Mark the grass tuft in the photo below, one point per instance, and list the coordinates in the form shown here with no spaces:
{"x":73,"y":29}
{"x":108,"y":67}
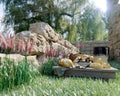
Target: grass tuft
{"x":70,"y":86}
{"x":46,"y":69}
{"x":12,"y":74}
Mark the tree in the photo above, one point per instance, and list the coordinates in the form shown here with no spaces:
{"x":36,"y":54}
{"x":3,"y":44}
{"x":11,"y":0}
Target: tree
{"x":91,"y":24}
{"x":76,"y":18}
{"x":21,"y":13}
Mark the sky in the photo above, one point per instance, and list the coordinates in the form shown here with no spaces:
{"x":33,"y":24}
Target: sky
{"x":1,"y":11}
{"x":1,"y":16}
{"x":101,"y":4}
{"x":98,"y":3}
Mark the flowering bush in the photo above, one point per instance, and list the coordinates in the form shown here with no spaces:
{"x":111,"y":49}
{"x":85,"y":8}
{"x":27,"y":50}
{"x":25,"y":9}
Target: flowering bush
{"x":55,"y":53}
{"x":51,"y":53}
{"x":10,"y":45}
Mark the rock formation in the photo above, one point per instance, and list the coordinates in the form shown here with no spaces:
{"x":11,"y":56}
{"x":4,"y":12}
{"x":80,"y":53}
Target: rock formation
{"x":113,"y":14}
{"x":17,"y":58}
{"x":45,"y":38}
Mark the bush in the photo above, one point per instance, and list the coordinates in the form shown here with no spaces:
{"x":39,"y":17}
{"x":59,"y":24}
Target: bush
{"x":115,"y":64}
{"x":12,"y":74}
{"x":46,"y":68}
{"x":11,"y":45}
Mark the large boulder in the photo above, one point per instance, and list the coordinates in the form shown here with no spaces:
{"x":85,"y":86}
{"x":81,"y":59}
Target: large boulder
{"x":45,"y":38}
{"x":62,"y":49}
{"x":45,"y":30}
{"x":17,"y":58}
{"x":40,"y":45}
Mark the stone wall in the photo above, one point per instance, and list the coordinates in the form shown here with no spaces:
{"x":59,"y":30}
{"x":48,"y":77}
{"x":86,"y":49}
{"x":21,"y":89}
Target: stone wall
{"x":113,"y":13}
{"x":88,"y":46}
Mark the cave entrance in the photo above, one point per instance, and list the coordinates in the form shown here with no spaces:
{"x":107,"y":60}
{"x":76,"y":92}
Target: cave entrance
{"x":101,"y":51}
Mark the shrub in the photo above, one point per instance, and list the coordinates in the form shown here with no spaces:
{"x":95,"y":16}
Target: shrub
{"x":115,"y":64}
{"x":12,"y":74}
{"x":11,"y":45}
{"x":46,"y":68}
{"x":51,"y":53}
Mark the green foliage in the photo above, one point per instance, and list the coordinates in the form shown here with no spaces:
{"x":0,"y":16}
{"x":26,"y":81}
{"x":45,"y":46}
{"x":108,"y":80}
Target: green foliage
{"x":72,"y":86}
{"x":72,"y":33}
{"x":91,"y":24}
{"x":22,"y":13}
{"x":12,"y":74}
{"x":46,"y":69}
{"x":115,"y":64}
{"x":79,"y":19}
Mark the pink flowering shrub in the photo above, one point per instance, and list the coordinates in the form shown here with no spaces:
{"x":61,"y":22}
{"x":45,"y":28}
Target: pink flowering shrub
{"x":51,"y":53}
{"x":10,"y":45}
{"x":55,"y":53}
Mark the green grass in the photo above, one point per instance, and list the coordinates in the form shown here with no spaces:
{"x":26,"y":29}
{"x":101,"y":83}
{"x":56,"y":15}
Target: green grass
{"x":12,"y":74}
{"x":46,"y":68}
{"x":52,"y":86}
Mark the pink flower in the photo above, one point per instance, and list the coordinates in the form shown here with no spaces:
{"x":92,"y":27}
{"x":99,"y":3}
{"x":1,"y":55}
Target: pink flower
{"x":3,"y":42}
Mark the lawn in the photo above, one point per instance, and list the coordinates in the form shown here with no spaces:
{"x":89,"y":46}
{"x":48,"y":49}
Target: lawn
{"x":53,"y":86}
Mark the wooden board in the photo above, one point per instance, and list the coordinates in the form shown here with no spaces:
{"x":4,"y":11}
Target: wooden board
{"x":86,"y":72}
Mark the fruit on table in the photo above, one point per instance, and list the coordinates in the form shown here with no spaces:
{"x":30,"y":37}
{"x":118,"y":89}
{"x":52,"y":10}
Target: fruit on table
{"x":65,"y":62}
